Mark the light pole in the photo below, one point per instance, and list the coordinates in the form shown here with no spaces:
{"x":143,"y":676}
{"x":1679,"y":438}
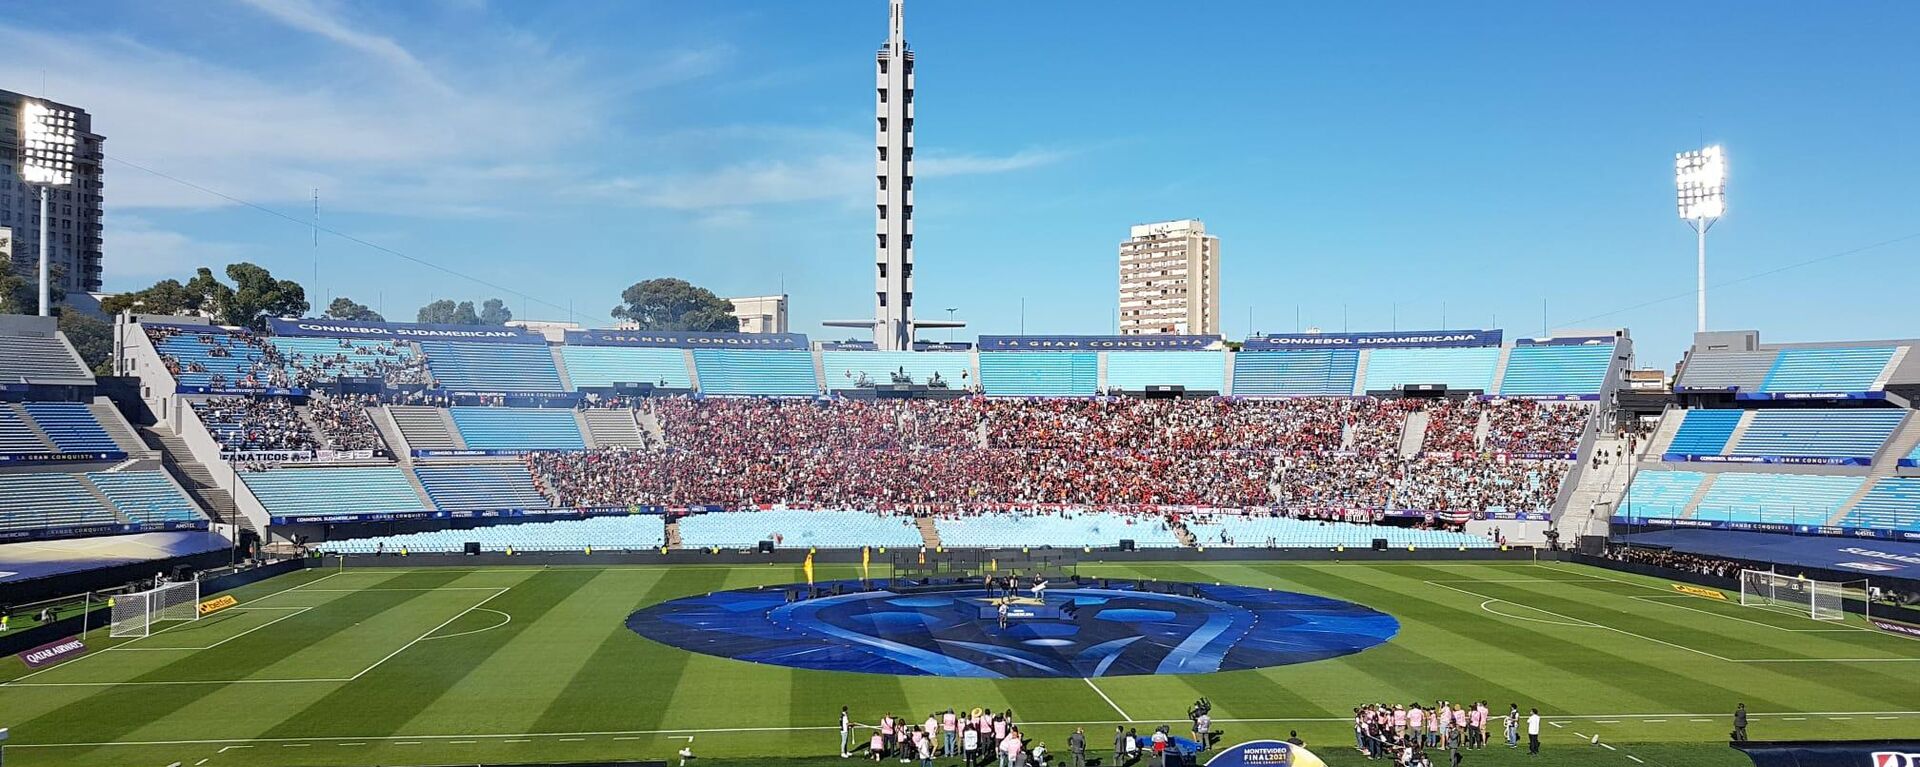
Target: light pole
{"x":47,"y":139}
{"x":1700,"y":191}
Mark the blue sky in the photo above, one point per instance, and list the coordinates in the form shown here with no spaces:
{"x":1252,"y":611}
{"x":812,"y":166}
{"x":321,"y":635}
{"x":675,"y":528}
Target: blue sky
{"x":1477,"y":159}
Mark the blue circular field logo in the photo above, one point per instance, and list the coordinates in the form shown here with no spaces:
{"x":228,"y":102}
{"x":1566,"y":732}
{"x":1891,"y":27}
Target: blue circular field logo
{"x":1082,"y":631}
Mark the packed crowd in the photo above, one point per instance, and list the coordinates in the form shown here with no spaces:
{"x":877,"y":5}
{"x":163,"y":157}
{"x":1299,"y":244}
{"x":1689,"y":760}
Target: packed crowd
{"x":1408,"y":733}
{"x":249,"y":424}
{"x":261,"y":364}
{"x":1533,"y":428}
{"x":981,"y":454}
{"x":1679,"y":560}
{"x":343,"y":421}
{"x":982,"y":736}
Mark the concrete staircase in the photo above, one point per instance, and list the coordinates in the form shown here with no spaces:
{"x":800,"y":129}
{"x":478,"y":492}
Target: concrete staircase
{"x":196,"y":479}
{"x":1590,"y":508}
{"x":610,"y":428}
{"x":673,"y":534}
{"x":928,"y":532}
{"x":650,"y":425}
{"x":1885,"y":464}
{"x":427,"y":428}
{"x":1661,"y":439}
{"x":118,"y":428}
{"x":1414,"y":433}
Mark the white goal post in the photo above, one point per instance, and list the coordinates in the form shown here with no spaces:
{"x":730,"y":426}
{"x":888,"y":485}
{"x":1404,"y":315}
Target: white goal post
{"x":1819,"y":600}
{"x":134,"y":615}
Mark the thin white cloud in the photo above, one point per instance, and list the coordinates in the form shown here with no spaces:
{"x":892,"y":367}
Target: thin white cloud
{"x":306,"y":17}
{"x":143,"y":252}
{"x":842,"y":176}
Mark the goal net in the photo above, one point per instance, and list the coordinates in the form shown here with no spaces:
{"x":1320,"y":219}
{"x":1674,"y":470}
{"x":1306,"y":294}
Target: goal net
{"x":1819,"y":600}
{"x":134,"y":615}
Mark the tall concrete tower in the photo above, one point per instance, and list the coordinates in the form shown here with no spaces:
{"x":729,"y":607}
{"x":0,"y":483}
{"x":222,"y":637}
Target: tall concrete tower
{"x":893,"y":172}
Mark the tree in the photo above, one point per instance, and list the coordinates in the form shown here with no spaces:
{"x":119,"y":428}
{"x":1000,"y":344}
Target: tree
{"x":254,"y":297}
{"x":344,"y":308}
{"x":495,"y":312}
{"x":446,"y":312}
{"x":667,"y":303}
{"x":164,"y":297}
{"x":92,"y":338}
{"x":20,"y":293}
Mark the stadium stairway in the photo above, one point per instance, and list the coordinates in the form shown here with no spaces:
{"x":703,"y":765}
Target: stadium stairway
{"x":610,"y":428}
{"x":929,"y":532}
{"x":389,"y":431}
{"x":34,"y":434}
{"x":104,"y":501}
{"x":1699,"y":494}
{"x":192,"y":477}
{"x":1414,"y":433}
{"x":1481,"y":428}
{"x":1662,"y":438}
{"x":1739,"y":431}
{"x":426,"y":428}
{"x":650,"y":423}
{"x":1885,"y":464}
{"x":118,"y":428}
{"x":1590,"y":507}
{"x":673,"y":534}
{"x":1500,"y":370}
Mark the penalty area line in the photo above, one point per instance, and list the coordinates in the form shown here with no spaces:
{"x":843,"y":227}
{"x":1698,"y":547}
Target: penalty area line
{"x":1103,"y":696}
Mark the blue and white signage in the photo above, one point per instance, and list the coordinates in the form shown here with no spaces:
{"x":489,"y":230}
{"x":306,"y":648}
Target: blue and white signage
{"x":1096,"y":343}
{"x":1388,"y":340}
{"x":686,"y":340}
{"x":403,"y":331}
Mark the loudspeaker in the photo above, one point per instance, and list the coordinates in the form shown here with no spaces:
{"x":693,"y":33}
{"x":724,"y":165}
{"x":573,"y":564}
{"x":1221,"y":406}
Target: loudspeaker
{"x":473,"y":548}
{"x":1126,"y":544}
{"x":1379,"y":544}
{"x":766,"y":547}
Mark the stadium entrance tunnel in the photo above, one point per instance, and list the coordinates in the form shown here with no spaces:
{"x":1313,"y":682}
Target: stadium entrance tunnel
{"x":1086,"y":630}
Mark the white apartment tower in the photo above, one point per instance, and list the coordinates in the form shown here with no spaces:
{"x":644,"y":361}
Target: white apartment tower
{"x":1170,"y":280}
{"x":893,"y":172}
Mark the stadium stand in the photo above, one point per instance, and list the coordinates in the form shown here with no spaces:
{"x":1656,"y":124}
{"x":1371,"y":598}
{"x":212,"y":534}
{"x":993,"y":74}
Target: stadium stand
{"x":502,"y":428}
{"x":844,"y":369}
{"x":243,"y":424}
{"x":759,"y":373}
{"x":1827,"y":369}
{"x":604,"y":366}
{"x":1040,"y":374}
{"x":1469,"y":368}
{"x":1705,"y":432}
{"x":205,"y":355}
{"x":145,"y":497}
{"x":31,"y":501}
{"x":636,"y":532}
{"x":1557,"y":369}
{"x":1818,"y":433}
{"x":1071,"y":528}
{"x":1726,"y":370}
{"x":314,"y":359}
{"x":17,"y":436}
{"x":72,"y":427}
{"x":1134,"y":371}
{"x":1660,"y":494}
{"x":613,"y":427}
{"x":1892,"y":503}
{"x":305,"y":492}
{"x":425,"y":428}
{"x":798,"y":528}
{"x":1295,"y":373}
{"x":1804,"y":499}
{"x":491,"y":486}
{"x":1265,"y":530}
{"x":488,"y":367}
{"x":38,"y":357}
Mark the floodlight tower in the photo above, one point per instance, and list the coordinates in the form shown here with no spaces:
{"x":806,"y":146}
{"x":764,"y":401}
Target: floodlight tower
{"x":1700,"y":190}
{"x":47,"y":140}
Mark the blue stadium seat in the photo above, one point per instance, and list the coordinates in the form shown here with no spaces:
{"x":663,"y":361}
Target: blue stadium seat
{"x":1819,"y":433}
{"x":188,"y":349}
{"x":1040,"y":374}
{"x":145,"y":497}
{"x":491,"y":486}
{"x":1705,"y":432}
{"x":509,"y":428}
{"x":301,"y":492}
{"x":1074,"y":528}
{"x":1196,"y":370}
{"x":1561,"y":369}
{"x":756,"y":372}
{"x":1827,"y":370}
{"x":843,"y":368}
{"x":16,"y":436}
{"x":1458,"y":368}
{"x":1892,"y":503}
{"x":1254,"y":530}
{"x":638,"y":532}
{"x":799,"y":529}
{"x":485,"y":367}
{"x":1662,"y":494}
{"x":34,"y":501}
{"x":1295,"y":373}
{"x":1786,"y":499}
{"x":604,"y":366}
{"x":71,"y":426}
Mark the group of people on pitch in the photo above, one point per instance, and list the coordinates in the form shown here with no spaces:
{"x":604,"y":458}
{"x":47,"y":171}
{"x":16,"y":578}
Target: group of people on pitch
{"x":979,"y":736}
{"x":1405,"y":733}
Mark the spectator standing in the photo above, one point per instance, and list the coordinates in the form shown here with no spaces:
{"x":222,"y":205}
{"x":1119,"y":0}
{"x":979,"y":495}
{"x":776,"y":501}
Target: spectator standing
{"x":1533,"y":732}
{"x":1077,"y":748}
{"x":846,"y":734}
{"x":1740,"y":722}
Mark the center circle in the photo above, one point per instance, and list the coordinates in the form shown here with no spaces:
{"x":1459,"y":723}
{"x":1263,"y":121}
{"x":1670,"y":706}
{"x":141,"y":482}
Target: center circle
{"x":1113,"y":629}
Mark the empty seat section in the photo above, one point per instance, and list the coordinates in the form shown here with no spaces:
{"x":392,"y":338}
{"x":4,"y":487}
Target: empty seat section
{"x":1827,"y":370}
{"x":611,"y":427}
{"x":71,"y":426}
{"x":326,"y":359}
{"x":1705,"y":432}
{"x":38,"y":357}
{"x":145,"y":497}
{"x":1819,"y":433}
{"x":762,"y":373}
{"x":16,"y":436}
{"x":507,"y":428}
{"x":799,"y":529}
{"x":1295,"y":373}
{"x":484,"y":367}
{"x":843,"y":369}
{"x":1893,"y":503}
{"x":425,"y":428}
{"x":1787,"y":499}
{"x":636,"y":532}
{"x":1060,"y":529}
{"x":604,"y":366}
{"x":1562,"y":369}
{"x":496,"y":486}
{"x":333,"y":490}
{"x":1662,"y":494}
{"x":1458,"y":368}
{"x":34,"y":501}
{"x":1196,"y":371}
{"x":1742,"y":371}
{"x":1258,"y":530}
{"x":1040,"y":374}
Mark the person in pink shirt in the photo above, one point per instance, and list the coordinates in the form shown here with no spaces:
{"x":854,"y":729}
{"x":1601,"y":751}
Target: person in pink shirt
{"x":1415,"y":718}
{"x":1399,"y":721}
{"x":876,"y":746}
{"x":1459,"y":725}
{"x":949,"y":725}
{"x":1010,"y":747}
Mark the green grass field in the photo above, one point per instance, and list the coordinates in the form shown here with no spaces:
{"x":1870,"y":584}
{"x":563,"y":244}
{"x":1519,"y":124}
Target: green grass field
{"x":443,"y":666}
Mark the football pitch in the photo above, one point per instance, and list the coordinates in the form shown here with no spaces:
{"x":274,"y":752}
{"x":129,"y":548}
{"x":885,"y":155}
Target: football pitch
{"x":436,"y":665}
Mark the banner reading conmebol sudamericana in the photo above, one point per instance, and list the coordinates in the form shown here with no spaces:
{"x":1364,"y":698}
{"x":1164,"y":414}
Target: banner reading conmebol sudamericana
{"x":1386,"y":340}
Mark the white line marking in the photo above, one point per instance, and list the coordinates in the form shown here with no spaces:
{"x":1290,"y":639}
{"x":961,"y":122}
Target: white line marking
{"x":460,"y":742}
{"x":627,"y":737}
{"x":1556,"y":724}
{"x":1103,"y":696}
{"x":1608,"y":746}
{"x":1699,"y":720}
{"x":1653,"y":721}
{"x":221,"y":751}
{"x":416,"y":640}
{"x":1662,"y":600}
{"x":296,"y":745}
{"x":296,"y":611}
{"x":509,"y":619}
{"x":570,"y":740}
{"x":1794,"y":719}
{"x":1485,"y":606}
{"x":523,"y":740}
{"x":1636,"y":760}
{"x":201,"y":762}
{"x":1886,"y":717}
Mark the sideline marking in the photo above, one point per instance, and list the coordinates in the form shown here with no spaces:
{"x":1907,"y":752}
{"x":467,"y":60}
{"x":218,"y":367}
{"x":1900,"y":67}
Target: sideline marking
{"x":1103,"y":696}
{"x":296,"y":611}
{"x":417,"y":640}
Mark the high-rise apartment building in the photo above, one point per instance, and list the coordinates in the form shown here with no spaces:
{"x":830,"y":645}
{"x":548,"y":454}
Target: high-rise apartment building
{"x":1170,"y":280}
{"x":73,"y":211}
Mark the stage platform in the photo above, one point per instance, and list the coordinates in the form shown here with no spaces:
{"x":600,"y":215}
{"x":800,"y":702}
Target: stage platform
{"x":39,"y":559}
